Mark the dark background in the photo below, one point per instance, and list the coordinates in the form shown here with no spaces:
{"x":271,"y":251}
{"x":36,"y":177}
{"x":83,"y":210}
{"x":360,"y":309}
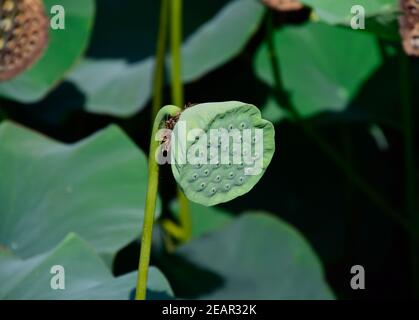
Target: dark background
{"x":302,"y":186}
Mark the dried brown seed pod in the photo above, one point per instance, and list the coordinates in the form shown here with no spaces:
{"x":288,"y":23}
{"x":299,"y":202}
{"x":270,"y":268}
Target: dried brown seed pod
{"x":409,"y":26}
{"x":411,"y":41}
{"x":23,"y":35}
{"x":410,"y":7}
{"x":410,"y":13}
{"x":284,"y":5}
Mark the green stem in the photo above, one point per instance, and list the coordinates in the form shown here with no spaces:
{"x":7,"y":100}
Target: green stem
{"x":409,"y":163}
{"x":184,"y":216}
{"x":150,"y":206}
{"x":339,"y":161}
{"x":176,"y":44}
{"x":158,"y":80}
{"x":178,"y":99}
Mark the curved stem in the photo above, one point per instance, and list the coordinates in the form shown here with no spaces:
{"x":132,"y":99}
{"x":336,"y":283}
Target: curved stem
{"x":173,"y":229}
{"x":150,"y":206}
{"x":178,"y":99}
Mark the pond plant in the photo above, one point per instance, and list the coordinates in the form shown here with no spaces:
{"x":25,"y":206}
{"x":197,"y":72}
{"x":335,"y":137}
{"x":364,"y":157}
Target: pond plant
{"x":296,"y":110}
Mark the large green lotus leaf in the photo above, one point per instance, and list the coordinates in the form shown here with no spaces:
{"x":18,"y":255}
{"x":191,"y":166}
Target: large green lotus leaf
{"x":333,"y":11}
{"x":64,"y":48}
{"x":322,"y":67}
{"x":124,"y":88}
{"x":95,"y":187}
{"x":257,"y":256}
{"x":86,"y":276}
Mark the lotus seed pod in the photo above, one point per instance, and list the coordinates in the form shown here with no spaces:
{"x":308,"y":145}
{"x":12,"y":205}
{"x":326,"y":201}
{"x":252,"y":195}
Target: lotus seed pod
{"x":23,"y":35}
{"x":220,"y":150}
{"x":409,"y":26}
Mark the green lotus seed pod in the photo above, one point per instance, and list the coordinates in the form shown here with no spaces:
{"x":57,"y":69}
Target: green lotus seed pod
{"x":219,"y":151}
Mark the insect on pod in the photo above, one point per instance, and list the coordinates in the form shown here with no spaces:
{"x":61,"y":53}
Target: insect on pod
{"x":409,"y":26}
{"x":23,"y":35}
{"x":220,"y":150}
{"x":284,"y":5}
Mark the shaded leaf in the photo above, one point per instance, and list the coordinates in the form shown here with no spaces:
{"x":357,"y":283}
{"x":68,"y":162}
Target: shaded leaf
{"x":221,"y":38}
{"x":255,"y":257}
{"x":121,"y":90}
{"x":85,"y":275}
